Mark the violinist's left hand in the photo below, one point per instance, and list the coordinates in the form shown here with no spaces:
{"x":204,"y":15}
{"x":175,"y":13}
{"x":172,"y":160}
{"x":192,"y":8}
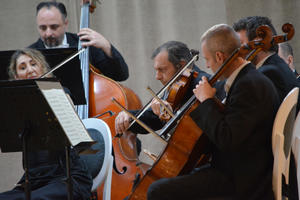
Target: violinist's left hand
{"x":204,"y":90}
{"x":95,"y":39}
{"x":157,"y":108}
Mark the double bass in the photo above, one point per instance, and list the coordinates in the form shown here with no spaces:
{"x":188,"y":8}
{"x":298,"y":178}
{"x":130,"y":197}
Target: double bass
{"x":98,"y":91}
{"x":184,"y":151}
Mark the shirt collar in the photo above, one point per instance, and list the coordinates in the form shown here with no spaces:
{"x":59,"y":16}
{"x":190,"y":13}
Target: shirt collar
{"x":232,"y":77}
{"x":64,"y":44}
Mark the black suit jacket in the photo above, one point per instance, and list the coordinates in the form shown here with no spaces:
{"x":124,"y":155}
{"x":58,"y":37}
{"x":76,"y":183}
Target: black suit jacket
{"x":296,"y":73}
{"x":280,"y":74}
{"x":115,"y":67}
{"x":241,"y":134}
{"x":284,"y":80}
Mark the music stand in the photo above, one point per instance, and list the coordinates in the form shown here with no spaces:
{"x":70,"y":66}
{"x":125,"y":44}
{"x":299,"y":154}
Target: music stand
{"x":69,"y":74}
{"x":30,"y":122}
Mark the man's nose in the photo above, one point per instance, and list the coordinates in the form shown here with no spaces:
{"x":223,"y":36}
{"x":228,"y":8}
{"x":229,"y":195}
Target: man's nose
{"x":158,"y":76}
{"x":48,"y":32}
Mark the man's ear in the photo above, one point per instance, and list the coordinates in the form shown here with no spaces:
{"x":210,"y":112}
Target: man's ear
{"x":182,"y":63}
{"x":66,"y":24}
{"x":219,"y":56}
{"x":290,"y":59}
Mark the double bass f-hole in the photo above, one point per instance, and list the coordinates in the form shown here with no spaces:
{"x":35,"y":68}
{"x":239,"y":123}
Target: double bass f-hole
{"x":109,"y":112}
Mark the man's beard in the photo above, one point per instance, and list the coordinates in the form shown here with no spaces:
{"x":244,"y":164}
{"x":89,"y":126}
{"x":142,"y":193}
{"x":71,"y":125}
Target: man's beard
{"x":52,"y":41}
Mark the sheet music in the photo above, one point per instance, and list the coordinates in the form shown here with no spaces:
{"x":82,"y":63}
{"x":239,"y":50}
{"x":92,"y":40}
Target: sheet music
{"x":64,"y":112}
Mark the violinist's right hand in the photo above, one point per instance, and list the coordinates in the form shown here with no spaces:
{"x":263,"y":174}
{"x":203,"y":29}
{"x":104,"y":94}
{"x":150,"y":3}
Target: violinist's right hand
{"x":122,"y":122}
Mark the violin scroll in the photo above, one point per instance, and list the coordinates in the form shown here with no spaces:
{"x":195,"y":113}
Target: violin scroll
{"x":195,"y":52}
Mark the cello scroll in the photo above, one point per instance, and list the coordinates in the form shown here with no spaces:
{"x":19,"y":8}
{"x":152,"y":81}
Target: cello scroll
{"x":289,"y":30}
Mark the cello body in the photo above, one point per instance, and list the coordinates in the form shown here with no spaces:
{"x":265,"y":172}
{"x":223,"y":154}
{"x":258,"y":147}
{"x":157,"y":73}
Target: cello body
{"x":102,"y":89}
{"x":183,"y":152}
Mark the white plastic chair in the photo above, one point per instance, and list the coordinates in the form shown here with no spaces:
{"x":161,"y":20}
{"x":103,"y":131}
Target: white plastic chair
{"x":101,"y":171}
{"x":281,"y":140}
{"x":296,"y":147}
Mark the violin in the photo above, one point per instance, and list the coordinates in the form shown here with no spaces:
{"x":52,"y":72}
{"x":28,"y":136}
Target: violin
{"x":159,"y":94}
{"x":177,"y":91}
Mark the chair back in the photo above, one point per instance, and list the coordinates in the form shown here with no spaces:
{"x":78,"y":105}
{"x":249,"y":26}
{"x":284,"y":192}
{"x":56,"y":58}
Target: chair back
{"x":296,"y":148}
{"x":100,"y":164}
{"x":282,"y":139}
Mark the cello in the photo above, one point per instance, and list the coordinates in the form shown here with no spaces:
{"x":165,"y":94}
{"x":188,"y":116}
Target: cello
{"x":98,"y":90}
{"x":184,"y":151}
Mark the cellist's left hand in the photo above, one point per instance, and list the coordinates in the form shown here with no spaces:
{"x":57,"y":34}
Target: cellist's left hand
{"x":94,"y":39}
{"x":204,"y":90}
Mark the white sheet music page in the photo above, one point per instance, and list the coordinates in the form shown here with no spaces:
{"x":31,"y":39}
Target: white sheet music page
{"x":64,"y":112}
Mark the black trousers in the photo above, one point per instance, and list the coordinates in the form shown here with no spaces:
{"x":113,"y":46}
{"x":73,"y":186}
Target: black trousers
{"x":47,"y":176}
{"x":54,"y":190}
{"x":206,"y":183}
